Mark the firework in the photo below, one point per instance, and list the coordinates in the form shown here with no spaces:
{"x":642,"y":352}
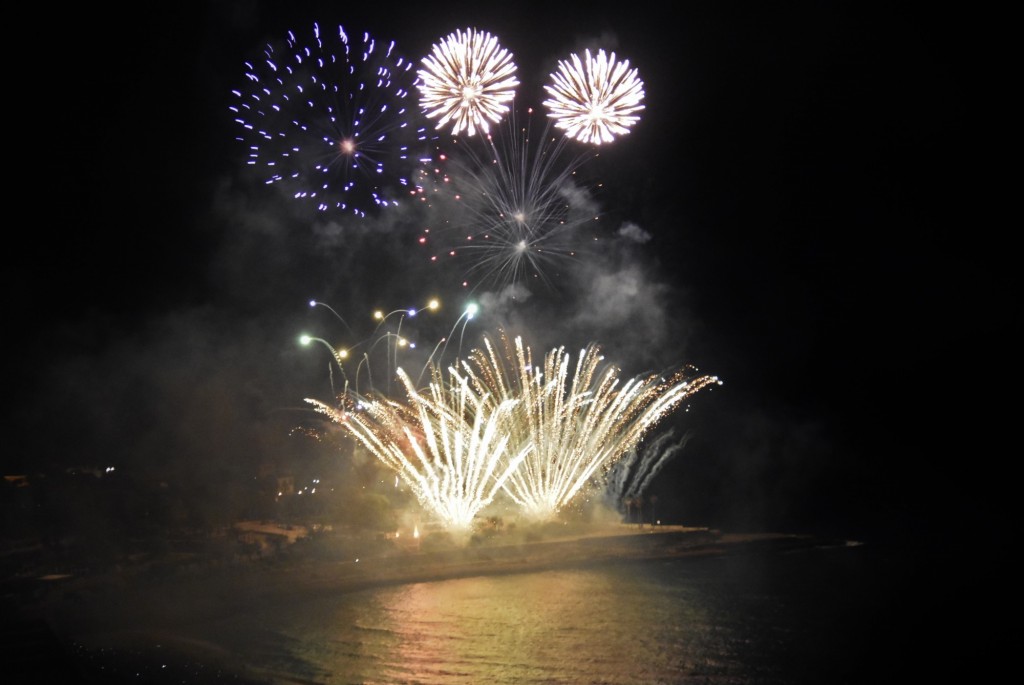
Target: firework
{"x":391,"y":334}
{"x":513,"y":208}
{"x":444,"y":443}
{"x":572,"y":423}
{"x":496,"y":423}
{"x":594,"y":99}
{"x":630,"y":476}
{"x":466,"y":81}
{"x":332,"y":121}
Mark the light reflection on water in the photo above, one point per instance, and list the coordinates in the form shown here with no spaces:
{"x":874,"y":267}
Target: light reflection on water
{"x":557,"y":626}
{"x":679,"y":621}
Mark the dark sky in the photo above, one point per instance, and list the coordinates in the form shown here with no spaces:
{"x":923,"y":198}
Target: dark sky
{"x":806,"y":174}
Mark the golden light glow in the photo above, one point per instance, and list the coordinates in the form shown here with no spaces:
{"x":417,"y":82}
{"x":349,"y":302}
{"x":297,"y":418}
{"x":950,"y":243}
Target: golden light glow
{"x":444,"y":443}
{"x":572,"y":421}
{"x":497,"y":423}
{"x":347,"y":146}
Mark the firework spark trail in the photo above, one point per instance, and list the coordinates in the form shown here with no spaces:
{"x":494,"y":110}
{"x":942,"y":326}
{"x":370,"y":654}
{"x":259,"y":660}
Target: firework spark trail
{"x":519,"y":211}
{"x":362,"y":352}
{"x":631,"y":475}
{"x":596,"y":98}
{"x":575,"y":426}
{"x":466,"y":81}
{"x":445,"y":444}
{"x":331,"y":121}
{"x":497,"y":423}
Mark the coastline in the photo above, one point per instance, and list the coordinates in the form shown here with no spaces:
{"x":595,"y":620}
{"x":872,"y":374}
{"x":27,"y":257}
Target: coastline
{"x":90,"y":604}
{"x":126,"y":618}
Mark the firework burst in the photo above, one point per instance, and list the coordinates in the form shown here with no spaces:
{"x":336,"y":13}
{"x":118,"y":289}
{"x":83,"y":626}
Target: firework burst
{"x":444,"y":443}
{"x":467,"y":81}
{"x":514,"y":209}
{"x":495,"y":423}
{"x":571,"y":422}
{"x":594,"y":98}
{"x":331,"y":120}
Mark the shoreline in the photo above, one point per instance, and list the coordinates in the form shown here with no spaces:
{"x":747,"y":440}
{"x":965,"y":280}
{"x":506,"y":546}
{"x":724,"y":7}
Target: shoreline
{"x":104,"y":623}
{"x":90,"y":604}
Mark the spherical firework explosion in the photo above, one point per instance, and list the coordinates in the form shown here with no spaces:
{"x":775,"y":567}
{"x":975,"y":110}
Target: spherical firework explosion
{"x":594,"y":99}
{"x":331,"y":121}
{"x":466,"y":81}
{"x":513,"y":210}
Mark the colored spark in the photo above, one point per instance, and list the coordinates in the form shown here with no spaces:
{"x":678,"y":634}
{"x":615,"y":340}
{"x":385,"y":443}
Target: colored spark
{"x":466,"y":81}
{"x":375,"y":352}
{"x":331,"y":121}
{"x":594,"y":99}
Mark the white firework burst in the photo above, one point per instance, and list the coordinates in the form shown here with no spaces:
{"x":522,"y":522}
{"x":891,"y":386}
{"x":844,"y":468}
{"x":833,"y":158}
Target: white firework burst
{"x":444,"y":443}
{"x":594,"y":99}
{"x":497,"y":423}
{"x":572,"y":424}
{"x":521,"y":213}
{"x":467,"y":81}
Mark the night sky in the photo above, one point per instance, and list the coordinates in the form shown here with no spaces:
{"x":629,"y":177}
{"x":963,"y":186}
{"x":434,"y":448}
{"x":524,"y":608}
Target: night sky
{"x":805,"y":175}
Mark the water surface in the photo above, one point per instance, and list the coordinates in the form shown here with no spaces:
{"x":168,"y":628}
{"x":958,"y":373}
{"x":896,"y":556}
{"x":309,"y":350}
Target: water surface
{"x":809,"y":615}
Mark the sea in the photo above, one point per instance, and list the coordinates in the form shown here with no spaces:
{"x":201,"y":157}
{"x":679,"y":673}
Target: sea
{"x":837,"y":613}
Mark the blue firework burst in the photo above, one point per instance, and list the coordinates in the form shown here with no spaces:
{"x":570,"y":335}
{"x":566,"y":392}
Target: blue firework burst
{"x":332,"y":121}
